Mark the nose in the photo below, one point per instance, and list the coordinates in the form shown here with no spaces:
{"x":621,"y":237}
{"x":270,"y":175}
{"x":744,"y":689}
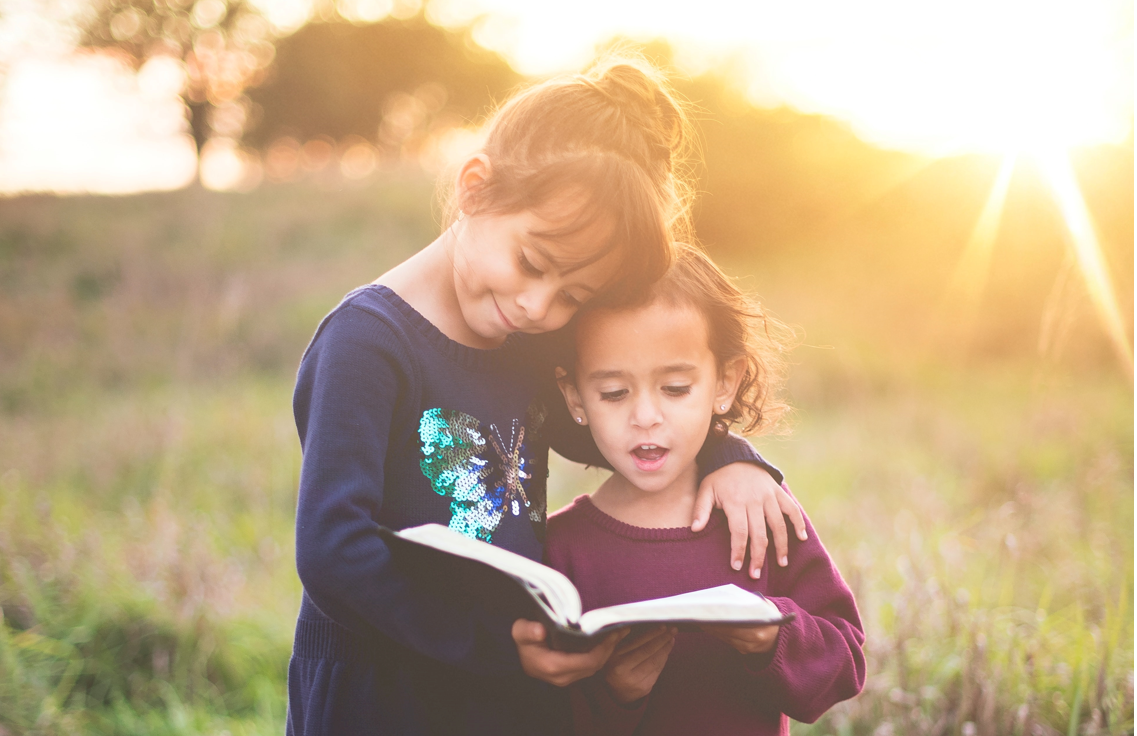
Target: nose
{"x":537,"y":302}
{"x":645,"y":411}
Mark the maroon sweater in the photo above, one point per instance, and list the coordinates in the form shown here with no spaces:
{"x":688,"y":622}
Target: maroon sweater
{"x":707,"y":686}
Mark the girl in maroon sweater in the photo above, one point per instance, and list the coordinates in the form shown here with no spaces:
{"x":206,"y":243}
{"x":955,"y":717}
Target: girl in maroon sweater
{"x":652,"y":382}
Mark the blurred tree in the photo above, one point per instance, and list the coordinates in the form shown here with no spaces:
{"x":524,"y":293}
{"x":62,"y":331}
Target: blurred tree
{"x":226,"y":46}
{"x":773,"y":177}
{"x":380,"y":81}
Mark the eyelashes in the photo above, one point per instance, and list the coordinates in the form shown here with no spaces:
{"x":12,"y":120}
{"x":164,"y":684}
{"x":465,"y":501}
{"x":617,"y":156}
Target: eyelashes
{"x":673,"y":391}
{"x":528,"y":267}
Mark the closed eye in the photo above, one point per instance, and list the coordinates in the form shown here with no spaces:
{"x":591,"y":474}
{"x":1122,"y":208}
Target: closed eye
{"x":527,"y":265}
{"x":570,"y":300}
{"x":676,"y":390}
{"x":613,"y":395}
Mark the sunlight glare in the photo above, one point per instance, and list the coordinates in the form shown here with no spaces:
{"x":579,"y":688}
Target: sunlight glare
{"x":90,"y":124}
{"x":971,"y":273}
{"x":1058,"y":172}
{"x":938,"y":78}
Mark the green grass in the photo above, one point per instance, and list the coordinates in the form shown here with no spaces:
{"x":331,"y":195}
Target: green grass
{"x":981,"y":512}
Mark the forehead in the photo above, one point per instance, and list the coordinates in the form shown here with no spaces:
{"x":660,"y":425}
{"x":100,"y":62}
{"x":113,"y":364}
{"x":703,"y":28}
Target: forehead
{"x":645,"y":338}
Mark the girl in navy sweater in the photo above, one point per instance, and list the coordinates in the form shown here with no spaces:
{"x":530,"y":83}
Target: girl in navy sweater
{"x":428,"y":396}
{"x":655,"y":383}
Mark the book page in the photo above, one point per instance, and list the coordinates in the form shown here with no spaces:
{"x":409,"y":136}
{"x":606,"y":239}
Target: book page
{"x":555,"y":592}
{"x":726,"y":603}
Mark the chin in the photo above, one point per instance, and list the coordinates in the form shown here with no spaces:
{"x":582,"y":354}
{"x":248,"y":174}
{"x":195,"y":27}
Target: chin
{"x":651,"y":484}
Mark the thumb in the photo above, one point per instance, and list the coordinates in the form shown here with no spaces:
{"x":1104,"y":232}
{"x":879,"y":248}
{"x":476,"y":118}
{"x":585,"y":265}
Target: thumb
{"x":528,"y":632}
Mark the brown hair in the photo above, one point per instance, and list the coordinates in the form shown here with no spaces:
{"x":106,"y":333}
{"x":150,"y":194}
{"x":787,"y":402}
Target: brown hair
{"x":617,"y":134}
{"x":737,"y":327}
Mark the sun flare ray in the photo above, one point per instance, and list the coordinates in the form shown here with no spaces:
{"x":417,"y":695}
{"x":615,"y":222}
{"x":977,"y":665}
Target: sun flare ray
{"x":965,"y":290}
{"x":1058,"y":172}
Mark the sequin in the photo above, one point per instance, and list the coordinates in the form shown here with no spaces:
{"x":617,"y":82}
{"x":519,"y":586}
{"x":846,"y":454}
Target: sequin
{"x":481,"y":484}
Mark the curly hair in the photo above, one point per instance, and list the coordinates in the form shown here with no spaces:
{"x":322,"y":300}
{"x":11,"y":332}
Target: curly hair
{"x":737,"y":328}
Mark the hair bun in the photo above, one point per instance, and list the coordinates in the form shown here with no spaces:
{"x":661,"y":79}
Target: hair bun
{"x":640,"y":93}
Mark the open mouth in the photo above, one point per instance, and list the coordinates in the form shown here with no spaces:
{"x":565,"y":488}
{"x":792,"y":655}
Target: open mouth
{"x":649,"y":457}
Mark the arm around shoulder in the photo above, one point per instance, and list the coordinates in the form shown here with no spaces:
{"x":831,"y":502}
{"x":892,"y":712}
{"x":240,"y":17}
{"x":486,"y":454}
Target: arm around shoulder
{"x":719,"y":452}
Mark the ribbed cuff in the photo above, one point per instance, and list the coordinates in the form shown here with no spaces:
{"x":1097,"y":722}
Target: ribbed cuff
{"x":328,"y":640}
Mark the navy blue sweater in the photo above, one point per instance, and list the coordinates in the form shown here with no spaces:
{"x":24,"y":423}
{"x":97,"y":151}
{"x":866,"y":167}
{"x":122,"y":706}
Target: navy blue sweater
{"x":402,"y":426}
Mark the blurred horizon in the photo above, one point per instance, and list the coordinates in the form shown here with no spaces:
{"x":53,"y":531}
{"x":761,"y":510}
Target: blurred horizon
{"x":77,"y":114}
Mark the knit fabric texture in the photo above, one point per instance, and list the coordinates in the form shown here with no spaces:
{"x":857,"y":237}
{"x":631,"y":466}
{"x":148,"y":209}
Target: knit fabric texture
{"x":706,"y":685}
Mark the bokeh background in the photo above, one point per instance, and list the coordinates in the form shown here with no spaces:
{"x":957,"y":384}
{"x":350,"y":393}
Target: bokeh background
{"x":937,"y":196}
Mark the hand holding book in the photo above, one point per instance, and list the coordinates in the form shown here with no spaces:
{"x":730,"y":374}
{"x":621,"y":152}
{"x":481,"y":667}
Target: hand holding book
{"x":557,"y":667}
{"x":634,"y":667}
{"x":746,"y":639}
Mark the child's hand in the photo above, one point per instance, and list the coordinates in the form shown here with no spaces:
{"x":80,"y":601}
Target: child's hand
{"x":751,"y":500}
{"x":635,"y":666}
{"x":558,"y":668}
{"x":746,"y":639}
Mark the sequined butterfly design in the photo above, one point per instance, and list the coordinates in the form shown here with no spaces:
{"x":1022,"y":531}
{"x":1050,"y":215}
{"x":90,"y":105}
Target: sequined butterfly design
{"x":483,"y":474}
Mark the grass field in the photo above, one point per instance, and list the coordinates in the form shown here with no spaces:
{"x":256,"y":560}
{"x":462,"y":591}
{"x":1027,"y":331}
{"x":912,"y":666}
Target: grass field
{"x":982,"y":511}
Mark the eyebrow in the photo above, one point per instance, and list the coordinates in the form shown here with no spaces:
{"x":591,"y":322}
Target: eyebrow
{"x":678,"y":368}
{"x":674,"y":368}
{"x":595,"y":375}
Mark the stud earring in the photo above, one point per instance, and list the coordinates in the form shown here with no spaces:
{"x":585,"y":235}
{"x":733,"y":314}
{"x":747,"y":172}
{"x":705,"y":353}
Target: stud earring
{"x":722,"y":407}
{"x":461,"y":214}
{"x":580,"y":420}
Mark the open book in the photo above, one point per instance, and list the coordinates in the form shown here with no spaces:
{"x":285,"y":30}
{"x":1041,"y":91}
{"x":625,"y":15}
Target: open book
{"x":522,"y":588}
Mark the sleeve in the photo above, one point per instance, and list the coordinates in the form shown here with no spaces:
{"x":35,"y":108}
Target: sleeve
{"x":718,"y":453}
{"x":574,"y":442}
{"x":817,"y":660}
{"x":346,"y":405}
{"x":596,"y":713}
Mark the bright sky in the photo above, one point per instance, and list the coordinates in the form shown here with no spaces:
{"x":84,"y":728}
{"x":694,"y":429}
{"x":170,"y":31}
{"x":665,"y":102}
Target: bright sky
{"x":937,"y":77}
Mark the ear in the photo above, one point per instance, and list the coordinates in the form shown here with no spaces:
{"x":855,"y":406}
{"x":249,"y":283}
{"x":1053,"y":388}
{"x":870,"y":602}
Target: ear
{"x":727,"y":387}
{"x":471,"y":177}
{"x":572,"y":396}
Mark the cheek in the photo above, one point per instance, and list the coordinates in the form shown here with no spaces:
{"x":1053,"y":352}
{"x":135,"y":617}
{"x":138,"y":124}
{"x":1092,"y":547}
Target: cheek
{"x":604,"y":420}
{"x":695,"y":416}
{"x":559,"y":316}
{"x":607,"y":434}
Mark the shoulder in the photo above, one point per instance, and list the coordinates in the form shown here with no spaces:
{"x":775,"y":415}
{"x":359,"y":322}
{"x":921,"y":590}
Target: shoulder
{"x":361,"y":350}
{"x":367,"y":320}
{"x":566,"y":526}
{"x":573,"y":513}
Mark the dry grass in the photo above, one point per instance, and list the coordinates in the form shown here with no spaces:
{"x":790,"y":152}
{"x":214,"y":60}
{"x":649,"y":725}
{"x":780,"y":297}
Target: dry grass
{"x":982,"y":513}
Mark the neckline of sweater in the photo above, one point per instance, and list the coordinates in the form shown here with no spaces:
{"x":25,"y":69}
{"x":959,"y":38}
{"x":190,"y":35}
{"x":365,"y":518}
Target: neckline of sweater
{"x":630,"y":531}
{"x":463,"y":355}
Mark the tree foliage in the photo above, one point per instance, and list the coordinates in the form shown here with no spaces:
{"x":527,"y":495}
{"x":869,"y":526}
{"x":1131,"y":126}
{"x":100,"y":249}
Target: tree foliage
{"x":339,"y":79}
{"x":226,"y":46}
